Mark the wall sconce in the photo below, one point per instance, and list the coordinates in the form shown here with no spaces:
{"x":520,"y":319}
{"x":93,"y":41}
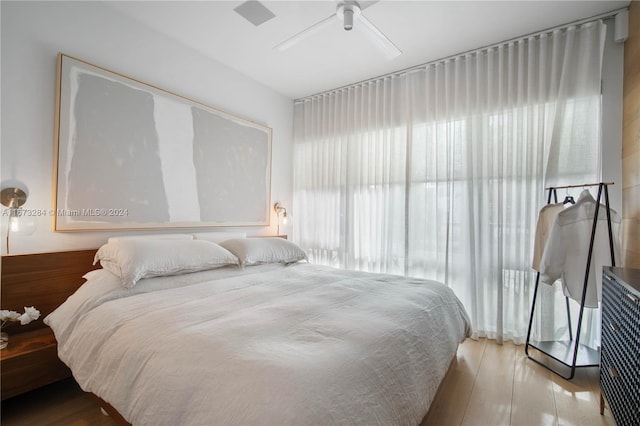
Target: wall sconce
{"x":13,"y":198}
{"x":280,"y":210}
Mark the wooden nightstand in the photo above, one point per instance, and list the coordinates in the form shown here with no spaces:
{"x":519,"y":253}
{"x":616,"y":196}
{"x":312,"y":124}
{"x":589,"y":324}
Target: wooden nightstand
{"x":42,"y":280}
{"x":29,"y":362}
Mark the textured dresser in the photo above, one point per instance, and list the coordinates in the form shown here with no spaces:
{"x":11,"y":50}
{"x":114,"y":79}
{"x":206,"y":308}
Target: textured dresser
{"x":620,"y":358}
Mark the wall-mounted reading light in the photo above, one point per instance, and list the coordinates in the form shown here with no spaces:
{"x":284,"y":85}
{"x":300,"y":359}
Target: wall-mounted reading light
{"x":280,"y":211}
{"x":13,"y":198}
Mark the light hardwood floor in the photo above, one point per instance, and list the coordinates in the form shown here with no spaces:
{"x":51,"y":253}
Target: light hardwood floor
{"x":491,"y":384}
{"x":488,"y":384}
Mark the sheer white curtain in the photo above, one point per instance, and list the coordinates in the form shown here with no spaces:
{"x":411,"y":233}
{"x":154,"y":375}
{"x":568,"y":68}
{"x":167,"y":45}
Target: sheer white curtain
{"x":440,"y":172}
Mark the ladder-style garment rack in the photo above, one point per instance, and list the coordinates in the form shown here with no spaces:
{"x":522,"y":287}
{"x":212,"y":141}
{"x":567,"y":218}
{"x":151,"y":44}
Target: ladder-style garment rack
{"x":571,"y":353}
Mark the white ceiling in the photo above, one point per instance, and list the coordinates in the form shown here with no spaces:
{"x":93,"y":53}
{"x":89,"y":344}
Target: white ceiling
{"x":423,"y":30}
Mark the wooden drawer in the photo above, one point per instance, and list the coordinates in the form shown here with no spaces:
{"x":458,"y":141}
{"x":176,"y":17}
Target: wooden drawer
{"x":29,"y":362}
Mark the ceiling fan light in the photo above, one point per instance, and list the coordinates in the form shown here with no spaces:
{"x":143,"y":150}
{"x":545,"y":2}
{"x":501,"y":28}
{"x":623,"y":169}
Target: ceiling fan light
{"x":348,"y":19}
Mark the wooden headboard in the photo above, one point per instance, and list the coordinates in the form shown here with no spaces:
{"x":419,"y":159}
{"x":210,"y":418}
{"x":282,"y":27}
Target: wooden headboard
{"x":42,"y":280}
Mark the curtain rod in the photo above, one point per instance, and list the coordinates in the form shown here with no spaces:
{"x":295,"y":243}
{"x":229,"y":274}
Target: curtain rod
{"x":580,"y":186}
{"x":404,"y":71}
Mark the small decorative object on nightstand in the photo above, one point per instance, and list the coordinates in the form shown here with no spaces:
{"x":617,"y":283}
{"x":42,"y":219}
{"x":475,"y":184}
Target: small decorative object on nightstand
{"x":30,"y":314}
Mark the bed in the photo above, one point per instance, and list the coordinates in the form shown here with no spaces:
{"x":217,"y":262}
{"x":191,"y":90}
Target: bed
{"x":262,"y":338}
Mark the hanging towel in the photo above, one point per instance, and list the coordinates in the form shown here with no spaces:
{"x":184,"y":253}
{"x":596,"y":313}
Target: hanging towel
{"x":566,"y":251}
{"x":546,"y":219}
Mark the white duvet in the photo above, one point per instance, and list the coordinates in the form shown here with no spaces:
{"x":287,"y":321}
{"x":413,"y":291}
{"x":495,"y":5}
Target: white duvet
{"x":271,"y":345}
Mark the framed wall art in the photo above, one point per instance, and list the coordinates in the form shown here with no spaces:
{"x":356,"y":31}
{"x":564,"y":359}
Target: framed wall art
{"x":132,"y":156}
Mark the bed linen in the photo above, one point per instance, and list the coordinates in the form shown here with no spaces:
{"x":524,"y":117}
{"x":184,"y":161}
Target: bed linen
{"x":270,"y":344}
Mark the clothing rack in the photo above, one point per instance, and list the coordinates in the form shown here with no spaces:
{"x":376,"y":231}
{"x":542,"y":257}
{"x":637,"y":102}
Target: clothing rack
{"x":561,"y":351}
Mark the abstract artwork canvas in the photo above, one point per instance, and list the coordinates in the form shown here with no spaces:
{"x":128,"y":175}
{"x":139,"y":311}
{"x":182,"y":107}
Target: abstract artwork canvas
{"x":133,"y":156}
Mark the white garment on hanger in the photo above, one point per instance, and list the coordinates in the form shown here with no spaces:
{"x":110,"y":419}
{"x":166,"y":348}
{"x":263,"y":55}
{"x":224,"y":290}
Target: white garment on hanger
{"x":565,"y":254}
{"x":546,"y":219}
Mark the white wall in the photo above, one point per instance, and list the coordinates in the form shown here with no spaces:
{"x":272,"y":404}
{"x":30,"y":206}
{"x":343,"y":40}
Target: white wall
{"x":33,"y":33}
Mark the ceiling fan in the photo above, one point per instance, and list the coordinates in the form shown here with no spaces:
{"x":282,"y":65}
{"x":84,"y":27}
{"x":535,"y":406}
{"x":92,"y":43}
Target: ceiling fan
{"x":350,"y":13}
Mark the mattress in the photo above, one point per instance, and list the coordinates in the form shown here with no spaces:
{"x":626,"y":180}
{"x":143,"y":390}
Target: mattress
{"x":271,"y":344}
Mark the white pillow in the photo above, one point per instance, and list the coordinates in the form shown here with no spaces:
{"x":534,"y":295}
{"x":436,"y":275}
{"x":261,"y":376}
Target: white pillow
{"x":254,"y":251}
{"x":132,"y":260}
{"x":150,"y":237}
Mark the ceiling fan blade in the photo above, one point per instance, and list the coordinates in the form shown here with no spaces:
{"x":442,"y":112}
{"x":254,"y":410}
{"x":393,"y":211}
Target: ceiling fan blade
{"x":381,"y":40}
{"x":304,"y":34}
